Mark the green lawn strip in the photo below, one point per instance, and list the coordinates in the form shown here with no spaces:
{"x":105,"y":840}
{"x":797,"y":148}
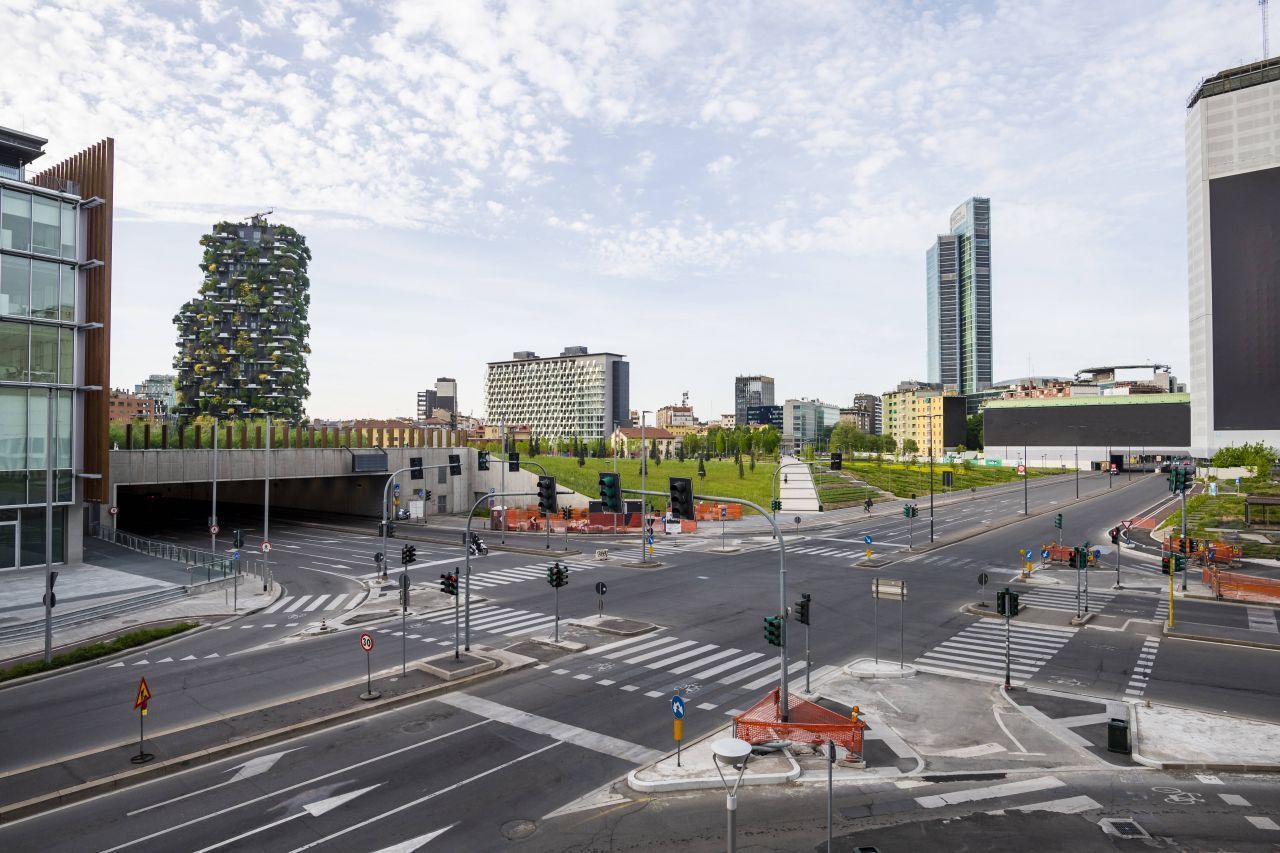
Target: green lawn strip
{"x":903,"y":480}
{"x":1205,"y":511}
{"x":96,"y":650}
{"x":722,"y":477}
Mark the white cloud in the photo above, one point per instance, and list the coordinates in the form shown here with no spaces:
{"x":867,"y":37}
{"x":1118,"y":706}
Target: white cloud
{"x":722,"y":165}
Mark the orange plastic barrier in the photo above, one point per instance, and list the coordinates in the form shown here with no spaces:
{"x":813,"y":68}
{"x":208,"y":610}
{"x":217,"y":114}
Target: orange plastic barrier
{"x":1239,"y":587}
{"x":806,"y":723}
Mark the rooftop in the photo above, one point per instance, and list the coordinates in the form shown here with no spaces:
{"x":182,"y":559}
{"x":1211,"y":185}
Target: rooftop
{"x":1235,"y":79}
{"x":1121,"y":400}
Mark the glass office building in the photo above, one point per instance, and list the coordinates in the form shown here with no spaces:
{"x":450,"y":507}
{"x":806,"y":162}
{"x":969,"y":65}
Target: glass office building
{"x":958,"y":301}
{"x":43,"y":272}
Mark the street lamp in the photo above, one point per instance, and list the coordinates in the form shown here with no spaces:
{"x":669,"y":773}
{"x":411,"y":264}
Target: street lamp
{"x":735,"y":753}
{"x":644,"y":469}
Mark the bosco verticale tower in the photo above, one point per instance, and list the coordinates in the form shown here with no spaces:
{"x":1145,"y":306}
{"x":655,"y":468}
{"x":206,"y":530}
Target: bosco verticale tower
{"x":242,"y":342}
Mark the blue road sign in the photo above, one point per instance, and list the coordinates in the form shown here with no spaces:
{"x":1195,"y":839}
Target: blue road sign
{"x":724,"y":513}
{"x":866,"y":539}
{"x":1097,"y":553}
{"x":677,"y":707}
{"x":1044,"y":555}
{"x":650,"y":538}
{"x":235,"y":555}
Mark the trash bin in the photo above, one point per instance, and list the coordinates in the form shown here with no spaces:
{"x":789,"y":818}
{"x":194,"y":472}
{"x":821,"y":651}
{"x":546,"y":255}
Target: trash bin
{"x":1118,"y":735}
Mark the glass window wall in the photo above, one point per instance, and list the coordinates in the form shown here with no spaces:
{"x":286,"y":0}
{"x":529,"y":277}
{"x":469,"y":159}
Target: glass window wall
{"x":67,"y":297}
{"x":15,"y":285}
{"x":69,"y":231}
{"x":31,"y":532}
{"x":44,"y":290}
{"x":46,"y":221}
{"x":13,"y":446}
{"x":13,"y":351}
{"x":15,"y":221}
{"x":66,"y":356}
{"x":44,"y":354}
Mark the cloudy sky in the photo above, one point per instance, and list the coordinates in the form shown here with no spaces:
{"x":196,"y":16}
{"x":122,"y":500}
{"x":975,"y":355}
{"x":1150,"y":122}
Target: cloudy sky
{"x":710,"y":188}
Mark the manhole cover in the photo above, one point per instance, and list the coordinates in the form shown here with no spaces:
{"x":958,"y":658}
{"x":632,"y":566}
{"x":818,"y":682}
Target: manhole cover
{"x":1122,"y":828}
{"x":517,"y":829}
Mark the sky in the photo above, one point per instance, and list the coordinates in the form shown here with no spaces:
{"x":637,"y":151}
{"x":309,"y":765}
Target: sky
{"x":711,"y":189}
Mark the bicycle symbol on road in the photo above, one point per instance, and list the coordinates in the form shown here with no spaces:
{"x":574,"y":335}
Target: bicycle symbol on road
{"x":1179,"y":796}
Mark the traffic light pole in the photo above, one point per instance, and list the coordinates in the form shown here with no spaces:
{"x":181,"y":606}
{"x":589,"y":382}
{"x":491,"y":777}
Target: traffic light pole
{"x":1183,"y":492}
{"x":504,"y":461}
{"x":386,"y":489}
{"x":1007,"y":651}
{"x":782,"y":580}
{"x":467,"y":538}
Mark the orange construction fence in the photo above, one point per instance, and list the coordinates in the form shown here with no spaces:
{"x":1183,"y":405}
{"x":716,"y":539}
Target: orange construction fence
{"x":711,"y":511}
{"x":806,"y":723}
{"x":1206,"y":551}
{"x":529,"y":520}
{"x":1239,"y":587}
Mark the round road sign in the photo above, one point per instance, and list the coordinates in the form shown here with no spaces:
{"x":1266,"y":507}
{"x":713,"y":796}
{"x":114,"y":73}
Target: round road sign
{"x":266,"y":546}
{"x":797,"y":519}
{"x":601,"y":589}
{"x":213,"y":528}
{"x":982,"y":578}
{"x":115,"y":510}
{"x":366,"y":642}
{"x":866,"y":539}
{"x":677,"y":707}
{"x":1022,"y":469}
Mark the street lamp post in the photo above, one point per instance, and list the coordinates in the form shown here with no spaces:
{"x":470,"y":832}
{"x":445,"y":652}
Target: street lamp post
{"x":735,"y":753}
{"x":213,"y":518}
{"x":644,"y":469}
{"x":504,"y":460}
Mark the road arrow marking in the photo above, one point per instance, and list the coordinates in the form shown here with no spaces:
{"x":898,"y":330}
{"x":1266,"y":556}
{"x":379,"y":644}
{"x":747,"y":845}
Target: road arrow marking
{"x":253,"y":767}
{"x":114,"y":665}
{"x":314,"y":809}
{"x":188,"y":657}
{"x":165,"y":660}
{"x":141,"y":662}
{"x":214,"y":655}
{"x":412,"y":844}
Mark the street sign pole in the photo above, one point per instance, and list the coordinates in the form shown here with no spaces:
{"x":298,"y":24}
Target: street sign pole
{"x":902,"y":605}
{"x":875,"y":621}
{"x":455,"y":617}
{"x":557,"y":622}
{"x":1007,"y":651}
{"x":1183,"y":492}
{"x":831,"y":760}
{"x":808,"y":663}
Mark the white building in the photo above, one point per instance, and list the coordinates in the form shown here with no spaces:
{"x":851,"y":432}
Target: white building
{"x":1233,"y":257}
{"x":803,"y":421}
{"x":576,"y":393}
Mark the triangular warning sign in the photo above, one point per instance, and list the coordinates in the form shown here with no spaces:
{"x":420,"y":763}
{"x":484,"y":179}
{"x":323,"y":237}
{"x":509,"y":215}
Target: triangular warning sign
{"x":144,"y":693}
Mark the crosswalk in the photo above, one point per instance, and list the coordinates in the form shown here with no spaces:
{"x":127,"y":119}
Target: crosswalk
{"x":819,"y":551}
{"x":978,"y":650}
{"x":1142,"y":669}
{"x":535,"y":571}
{"x":1064,"y":599}
{"x":1262,"y":619}
{"x":485,"y":619}
{"x":299,"y":604}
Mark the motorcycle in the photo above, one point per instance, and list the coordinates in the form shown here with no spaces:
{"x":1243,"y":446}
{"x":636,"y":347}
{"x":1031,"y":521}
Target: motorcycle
{"x":477,"y":547}
{"x":402,"y":515}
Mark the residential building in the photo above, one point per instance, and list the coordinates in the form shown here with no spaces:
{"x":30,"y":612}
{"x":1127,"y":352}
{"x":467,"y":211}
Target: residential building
{"x":864,"y":414}
{"x":126,"y":406}
{"x":764,"y":415}
{"x":675,"y":416}
{"x":55,"y":337}
{"x":442,"y":402}
{"x":958,"y":300}
{"x":926,"y":414}
{"x":161,"y":388}
{"x":805,"y":421}
{"x":577,"y":393}
{"x":242,"y":341}
{"x":1233,"y":216}
{"x":751,"y":391}
{"x":626,"y":441}
{"x":729,"y":421}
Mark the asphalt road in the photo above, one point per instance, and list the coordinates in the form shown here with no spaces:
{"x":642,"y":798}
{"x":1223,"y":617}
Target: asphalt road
{"x":596,"y":714}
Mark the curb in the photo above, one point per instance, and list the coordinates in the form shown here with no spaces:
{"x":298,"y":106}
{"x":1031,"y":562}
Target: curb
{"x":537,"y":552}
{"x":1175,"y":634}
{"x":35,"y":805}
{"x":1215,"y":766}
{"x":663,"y":786}
{"x":154,"y":644}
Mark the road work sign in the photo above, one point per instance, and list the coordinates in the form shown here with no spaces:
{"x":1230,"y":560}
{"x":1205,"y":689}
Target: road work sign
{"x":144,"y":695}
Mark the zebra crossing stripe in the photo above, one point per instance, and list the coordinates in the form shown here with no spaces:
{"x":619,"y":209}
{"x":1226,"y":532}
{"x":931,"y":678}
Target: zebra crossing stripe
{"x":506,"y":620}
{"x":337,"y":602}
{"x":649,"y":655}
{"x":761,"y":682}
{"x":699,"y":650}
{"x":538,"y":625}
{"x":682,"y":669}
{"x":658,"y":642}
{"x":278,"y":604}
{"x":296,"y":604}
{"x":316,"y":604}
{"x":617,"y":645}
{"x":738,"y":676}
{"x":356,"y":601}
{"x":733,"y":664}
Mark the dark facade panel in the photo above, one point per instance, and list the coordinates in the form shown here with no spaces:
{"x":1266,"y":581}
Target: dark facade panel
{"x":953,"y":421}
{"x":1244,"y":221}
{"x":1153,"y":425}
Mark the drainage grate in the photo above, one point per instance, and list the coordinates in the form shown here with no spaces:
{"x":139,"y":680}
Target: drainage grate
{"x":1123,"y":828}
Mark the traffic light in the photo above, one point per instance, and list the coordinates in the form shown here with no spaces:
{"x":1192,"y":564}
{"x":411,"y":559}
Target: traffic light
{"x":775,"y":504}
{"x":911,"y":511}
{"x":1164,"y":564}
{"x":1114,"y":533}
{"x":1072,"y":558}
{"x":408,"y":555}
{"x":557,"y":575}
{"x":611,"y":491}
{"x":377,"y":558}
{"x":387,"y":529}
{"x":1057,"y":521}
{"x":482,"y":460}
{"x":682,"y":498}
{"x":1179,"y":563}
{"x":1007,"y":602}
{"x":773,"y":630}
{"x":546,"y":495}
{"x":802,"y":608}
{"x":551,"y":574}
{"x":404,"y":591}
{"x":449,"y":583}
{"x":415,"y":467}
{"x":837,"y":460}
{"x":237,"y":539}
{"x":513,"y":462}
{"x":427,"y":495}
{"x":906,"y":510}
{"x":455,"y":465}
{"x":567,"y":513}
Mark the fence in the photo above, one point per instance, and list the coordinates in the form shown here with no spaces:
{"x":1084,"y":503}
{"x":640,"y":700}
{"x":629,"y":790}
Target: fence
{"x":214,"y":566}
{"x":1238,"y":587}
{"x":807,"y":723}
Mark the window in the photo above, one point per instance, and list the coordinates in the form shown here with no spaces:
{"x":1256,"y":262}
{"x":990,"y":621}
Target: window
{"x":13,"y":351}
{"x":44,"y":354}
{"x":44,"y":290}
{"x":67,"y":295}
{"x":66,"y":356}
{"x":15,"y":285}
{"x":15,"y":221}
{"x":69,"y":231}
{"x":46,"y":220}
{"x":13,"y":446}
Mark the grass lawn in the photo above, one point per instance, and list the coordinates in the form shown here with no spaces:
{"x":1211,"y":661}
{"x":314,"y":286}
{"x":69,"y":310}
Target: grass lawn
{"x":96,"y":650}
{"x":902,"y":479}
{"x":722,"y":477}
{"x":1227,"y":510}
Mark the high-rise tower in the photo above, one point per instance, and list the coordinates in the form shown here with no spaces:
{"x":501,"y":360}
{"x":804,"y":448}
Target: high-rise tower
{"x":958,"y":300}
{"x":242,"y":342}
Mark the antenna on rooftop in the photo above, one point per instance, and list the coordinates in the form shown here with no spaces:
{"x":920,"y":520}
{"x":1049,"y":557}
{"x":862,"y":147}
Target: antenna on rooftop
{"x":684,"y":398}
{"x":1266,"y":52}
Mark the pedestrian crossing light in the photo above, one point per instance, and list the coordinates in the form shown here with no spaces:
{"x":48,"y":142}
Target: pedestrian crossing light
{"x":773,"y":630}
{"x":238,"y":540}
{"x":682,"y":498}
{"x":1057,"y":521}
{"x":837,"y":460}
{"x":408,"y":555}
{"x":482,"y":460}
{"x":449,"y":583}
{"x":802,"y":608}
{"x":566,"y":513}
{"x":611,"y":491}
{"x":546,"y":495}
{"x":1007,"y":603}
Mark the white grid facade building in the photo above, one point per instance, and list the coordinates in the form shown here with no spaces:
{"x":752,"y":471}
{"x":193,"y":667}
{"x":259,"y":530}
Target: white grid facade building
{"x":573,"y":394}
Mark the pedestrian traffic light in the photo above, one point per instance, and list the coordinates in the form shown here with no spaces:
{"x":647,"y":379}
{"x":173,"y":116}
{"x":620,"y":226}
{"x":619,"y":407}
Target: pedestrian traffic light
{"x":837,"y":460}
{"x":1057,"y":521}
{"x":546,"y":495}
{"x":802,"y":608}
{"x":1164,"y":564}
{"x":387,"y":529}
{"x":415,"y":467}
{"x":455,"y":465}
{"x":513,"y":462}
{"x":449,"y":583}
{"x":773,"y":630}
{"x":681,"y":489}
{"x":1007,"y":603}
{"x":237,"y":539}
{"x":482,"y":460}
{"x":611,"y":491}
{"x":408,"y":555}
{"x":1072,"y":558}
{"x":1179,"y":563}
{"x":906,"y":510}
{"x":1114,"y":533}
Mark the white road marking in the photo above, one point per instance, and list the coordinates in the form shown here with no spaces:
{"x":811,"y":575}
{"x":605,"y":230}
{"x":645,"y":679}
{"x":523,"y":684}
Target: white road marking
{"x":1069,"y":805}
{"x":1234,"y":800}
{"x":1262,"y":822}
{"x":1008,"y":789}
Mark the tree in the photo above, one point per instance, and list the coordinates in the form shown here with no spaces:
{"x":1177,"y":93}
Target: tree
{"x":680,"y":450}
{"x":741,"y":473}
{"x":1257,"y":456}
{"x":888,"y":444}
{"x":702,"y":470}
{"x":533,"y":445}
{"x":909,"y":447}
{"x":973,"y":432}
{"x":753,"y":460}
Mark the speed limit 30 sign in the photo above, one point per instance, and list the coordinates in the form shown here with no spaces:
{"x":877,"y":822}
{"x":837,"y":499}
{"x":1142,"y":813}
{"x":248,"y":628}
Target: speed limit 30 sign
{"x":366,"y":642}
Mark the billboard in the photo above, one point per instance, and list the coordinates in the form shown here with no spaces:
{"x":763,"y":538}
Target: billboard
{"x":1244,"y":224}
{"x":1089,"y":425}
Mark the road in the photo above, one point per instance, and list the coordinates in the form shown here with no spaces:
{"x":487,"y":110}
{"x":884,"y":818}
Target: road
{"x":516,"y":748}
